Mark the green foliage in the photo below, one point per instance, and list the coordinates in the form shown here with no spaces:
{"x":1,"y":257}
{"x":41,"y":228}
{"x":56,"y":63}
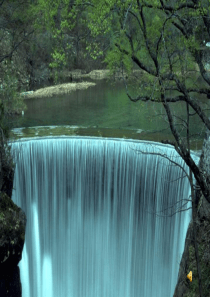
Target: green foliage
{"x":67,"y":22}
{"x":145,"y":37}
{"x":10,"y":98}
{"x":59,"y":59}
{"x":115,"y":60}
{"x":94,"y":50}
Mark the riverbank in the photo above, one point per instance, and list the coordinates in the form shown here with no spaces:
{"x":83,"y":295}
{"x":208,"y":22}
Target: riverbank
{"x":94,"y":74}
{"x":99,"y":74}
{"x":66,"y":88}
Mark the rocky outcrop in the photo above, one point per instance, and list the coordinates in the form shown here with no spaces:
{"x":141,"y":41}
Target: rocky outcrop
{"x":12,"y":236}
{"x":183,"y":282}
{"x":184,"y":287}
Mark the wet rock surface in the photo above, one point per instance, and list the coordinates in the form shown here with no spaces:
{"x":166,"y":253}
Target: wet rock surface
{"x":12,"y":236}
{"x":184,"y":287}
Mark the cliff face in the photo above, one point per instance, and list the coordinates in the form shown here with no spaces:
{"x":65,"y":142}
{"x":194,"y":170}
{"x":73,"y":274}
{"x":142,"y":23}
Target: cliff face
{"x":184,"y":287}
{"x":12,"y":236}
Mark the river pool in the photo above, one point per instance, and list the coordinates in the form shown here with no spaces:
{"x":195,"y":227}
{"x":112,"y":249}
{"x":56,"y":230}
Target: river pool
{"x":103,"y":110}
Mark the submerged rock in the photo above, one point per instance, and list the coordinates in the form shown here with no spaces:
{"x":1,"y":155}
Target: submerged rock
{"x":12,"y":236}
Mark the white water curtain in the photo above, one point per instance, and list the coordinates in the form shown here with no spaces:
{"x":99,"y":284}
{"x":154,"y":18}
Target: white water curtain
{"x":92,"y":224}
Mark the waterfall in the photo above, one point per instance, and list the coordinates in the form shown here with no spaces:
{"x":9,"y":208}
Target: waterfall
{"x":95,"y":220}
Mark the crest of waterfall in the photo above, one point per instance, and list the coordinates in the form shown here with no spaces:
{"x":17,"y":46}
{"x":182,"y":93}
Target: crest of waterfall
{"x":99,"y":218}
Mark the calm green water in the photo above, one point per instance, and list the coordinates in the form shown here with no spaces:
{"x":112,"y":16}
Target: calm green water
{"x":105,"y":110}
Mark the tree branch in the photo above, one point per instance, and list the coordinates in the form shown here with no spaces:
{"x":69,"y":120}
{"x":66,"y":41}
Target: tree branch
{"x":137,"y":61}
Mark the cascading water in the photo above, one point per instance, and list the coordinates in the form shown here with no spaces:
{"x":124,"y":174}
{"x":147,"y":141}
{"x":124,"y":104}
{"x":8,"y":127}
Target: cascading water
{"x":92,"y":223}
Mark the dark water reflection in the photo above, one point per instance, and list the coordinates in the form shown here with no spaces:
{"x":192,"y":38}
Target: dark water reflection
{"x":105,"y":107}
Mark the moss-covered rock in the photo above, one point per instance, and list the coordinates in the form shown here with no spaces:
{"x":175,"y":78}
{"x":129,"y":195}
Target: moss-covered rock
{"x":12,"y":236}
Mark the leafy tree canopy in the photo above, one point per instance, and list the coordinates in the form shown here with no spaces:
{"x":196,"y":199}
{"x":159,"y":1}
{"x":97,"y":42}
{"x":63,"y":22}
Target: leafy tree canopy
{"x":163,"y":39}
